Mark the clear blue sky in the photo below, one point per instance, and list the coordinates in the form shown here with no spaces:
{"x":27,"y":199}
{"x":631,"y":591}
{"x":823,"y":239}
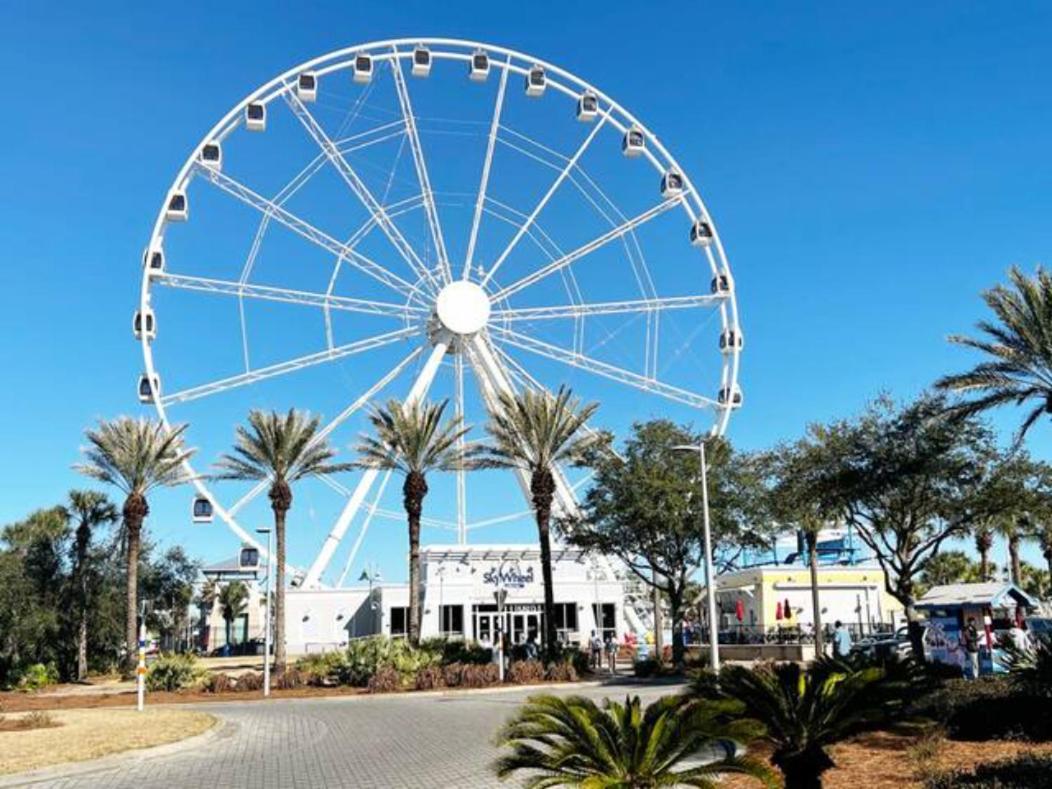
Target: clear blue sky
{"x":871,"y":169}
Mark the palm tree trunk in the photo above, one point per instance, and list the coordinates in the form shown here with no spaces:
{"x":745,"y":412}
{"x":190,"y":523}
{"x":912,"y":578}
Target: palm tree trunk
{"x":542,"y":489}
{"x":280,"y":502}
{"x":1013,"y":556}
{"x":816,"y":607}
{"x":675,"y":608}
{"x":414,"y":489}
{"x":1048,"y":559}
{"x":984,"y":563}
{"x":135,"y":512}
{"x":81,"y":585}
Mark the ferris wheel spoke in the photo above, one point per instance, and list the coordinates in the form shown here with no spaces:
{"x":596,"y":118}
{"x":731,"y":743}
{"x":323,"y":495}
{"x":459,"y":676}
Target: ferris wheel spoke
{"x":308,"y":231}
{"x":417,"y":392}
{"x":607,"y":308}
{"x":588,"y":248}
{"x":458,"y":372}
{"x":292,"y":365}
{"x":486,"y":164}
{"x":289,"y":296}
{"x":604,"y":369}
{"x":421,"y":167}
{"x":571,"y":163}
{"x":358,"y":187}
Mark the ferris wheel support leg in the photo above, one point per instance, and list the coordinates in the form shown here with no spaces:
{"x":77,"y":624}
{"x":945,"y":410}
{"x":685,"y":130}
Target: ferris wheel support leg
{"x":354,"y":503}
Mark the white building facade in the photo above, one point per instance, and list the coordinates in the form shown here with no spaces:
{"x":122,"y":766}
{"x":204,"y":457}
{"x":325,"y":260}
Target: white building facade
{"x":459,"y":600}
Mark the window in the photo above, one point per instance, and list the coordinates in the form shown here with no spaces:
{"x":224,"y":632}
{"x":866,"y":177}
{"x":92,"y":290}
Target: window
{"x":452,"y":620}
{"x":605,"y":619}
{"x":565,"y":620}
{"x":399,"y":620}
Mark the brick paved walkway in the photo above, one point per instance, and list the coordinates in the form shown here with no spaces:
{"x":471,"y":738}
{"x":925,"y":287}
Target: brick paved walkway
{"x":381,"y":742}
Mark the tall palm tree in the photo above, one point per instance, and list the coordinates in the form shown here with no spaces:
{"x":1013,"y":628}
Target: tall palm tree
{"x":803,"y":711}
{"x":135,"y":456}
{"x":1014,"y":531}
{"x":412,"y":439}
{"x":534,"y":431}
{"x":233,"y":600}
{"x":282,"y":449}
{"x":91,"y":509}
{"x":984,"y":542}
{"x":573,"y":742}
{"x":1018,"y":350}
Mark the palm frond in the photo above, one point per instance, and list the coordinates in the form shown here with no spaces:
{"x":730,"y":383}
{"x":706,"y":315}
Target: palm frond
{"x":135,"y":455}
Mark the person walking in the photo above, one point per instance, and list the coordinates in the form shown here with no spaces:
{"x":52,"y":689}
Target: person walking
{"x":595,"y":649}
{"x":532,"y":650}
{"x":611,"y":653}
{"x":970,"y":637}
{"x":841,"y":640}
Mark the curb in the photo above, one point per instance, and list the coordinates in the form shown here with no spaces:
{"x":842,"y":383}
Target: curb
{"x":220,"y":728}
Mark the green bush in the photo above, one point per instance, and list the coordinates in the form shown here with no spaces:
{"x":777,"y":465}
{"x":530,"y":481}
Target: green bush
{"x":991,"y":708}
{"x":174,"y":672}
{"x":328,"y":669}
{"x":1028,"y":771}
{"x":37,"y":676}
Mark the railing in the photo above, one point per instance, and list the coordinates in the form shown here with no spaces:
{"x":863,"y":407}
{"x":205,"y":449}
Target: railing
{"x":778,"y":634}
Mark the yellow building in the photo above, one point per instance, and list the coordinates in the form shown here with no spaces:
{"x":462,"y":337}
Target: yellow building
{"x":854,"y":594}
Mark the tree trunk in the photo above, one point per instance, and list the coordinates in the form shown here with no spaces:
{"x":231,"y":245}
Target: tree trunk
{"x":542,"y":489}
{"x":983,"y":543}
{"x":915,"y":629}
{"x":802,"y":772}
{"x":414,"y":490}
{"x":1048,"y":559}
{"x":1013,"y":557}
{"x":81,"y":585}
{"x":655,"y":597}
{"x":135,"y":511}
{"x":280,"y":503}
{"x":675,"y":605}
{"x":816,"y":607}
{"x":984,"y":564}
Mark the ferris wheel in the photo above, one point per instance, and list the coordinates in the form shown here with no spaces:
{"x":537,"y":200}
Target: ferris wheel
{"x":427,"y":218}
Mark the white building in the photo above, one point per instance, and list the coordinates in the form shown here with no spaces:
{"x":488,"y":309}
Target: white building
{"x":458,"y":600}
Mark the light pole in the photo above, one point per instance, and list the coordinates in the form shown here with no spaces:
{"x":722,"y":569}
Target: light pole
{"x":266,"y":626}
{"x":500,"y":595}
{"x":372,"y":575}
{"x":710,"y":575}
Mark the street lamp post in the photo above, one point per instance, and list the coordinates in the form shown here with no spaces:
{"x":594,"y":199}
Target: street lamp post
{"x":500,"y":595}
{"x":372,"y":575}
{"x":266,"y":626}
{"x":710,"y":575}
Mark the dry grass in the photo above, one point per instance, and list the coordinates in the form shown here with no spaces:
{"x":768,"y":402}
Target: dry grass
{"x":89,"y":734}
{"x":32,"y":720}
{"x":889,"y":761}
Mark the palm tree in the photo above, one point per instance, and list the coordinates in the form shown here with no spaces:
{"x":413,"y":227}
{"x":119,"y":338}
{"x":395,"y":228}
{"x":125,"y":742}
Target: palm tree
{"x":135,"y":456}
{"x":1018,"y":350}
{"x":803,"y":711}
{"x":91,"y":509}
{"x":412,"y":438}
{"x":534,"y":431}
{"x":574,"y":742}
{"x":282,"y":449}
{"x":1014,"y":531}
{"x":233,"y":599}
{"x":1044,"y":537}
{"x":206,"y":602}
{"x":984,"y":542}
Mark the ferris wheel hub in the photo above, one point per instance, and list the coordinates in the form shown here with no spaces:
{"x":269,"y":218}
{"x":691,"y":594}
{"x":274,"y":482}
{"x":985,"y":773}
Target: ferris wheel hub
{"x":463,"y":307}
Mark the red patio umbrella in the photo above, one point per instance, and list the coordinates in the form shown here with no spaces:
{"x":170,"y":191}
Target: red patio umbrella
{"x":778,"y":611}
{"x":739,"y":611}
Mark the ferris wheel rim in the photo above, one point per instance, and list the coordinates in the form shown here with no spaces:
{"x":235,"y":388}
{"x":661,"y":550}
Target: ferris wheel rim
{"x":396,"y":49}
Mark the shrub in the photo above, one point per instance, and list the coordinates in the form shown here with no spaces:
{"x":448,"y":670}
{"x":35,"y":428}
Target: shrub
{"x":219,"y":683}
{"x":646,"y":667}
{"x":385,"y":680}
{"x":291,"y":678}
{"x":329,"y":669}
{"x":526,"y":672}
{"x":987,"y":709}
{"x":1030,"y":669}
{"x":174,"y":672}
{"x":33,"y":720}
{"x":430,"y":678}
{"x":479,"y":676}
{"x":1022,"y":772}
{"x":37,"y":676}
{"x":561,"y":671}
{"x":250,"y":681}
{"x":457,"y":651}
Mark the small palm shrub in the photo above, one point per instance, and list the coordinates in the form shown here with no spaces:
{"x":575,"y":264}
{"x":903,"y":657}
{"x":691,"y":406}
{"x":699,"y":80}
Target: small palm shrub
{"x":327,"y":670}
{"x":291,"y":678}
{"x":574,"y":742}
{"x":457,"y":650}
{"x":250,"y":681}
{"x":992,"y":708}
{"x":1022,"y":772}
{"x":37,"y":676}
{"x":526,"y":672}
{"x":430,"y":678}
{"x":561,"y":671}
{"x":470,"y":675}
{"x":1030,"y":669}
{"x":219,"y":683}
{"x":804,"y":711}
{"x":174,"y":672}
{"x":386,"y":680}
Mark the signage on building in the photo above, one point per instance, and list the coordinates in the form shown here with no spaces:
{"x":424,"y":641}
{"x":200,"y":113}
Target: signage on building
{"x":510,"y":576}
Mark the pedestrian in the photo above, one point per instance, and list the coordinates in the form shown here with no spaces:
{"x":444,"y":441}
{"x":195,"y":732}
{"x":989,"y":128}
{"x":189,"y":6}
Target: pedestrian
{"x":595,"y":648}
{"x":1019,"y":637}
{"x":532,"y":650}
{"x":970,"y":637}
{"x":841,"y":640}
{"x":611,"y":653}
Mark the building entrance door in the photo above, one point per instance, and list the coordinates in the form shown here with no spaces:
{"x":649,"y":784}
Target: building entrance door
{"x":522,"y":626}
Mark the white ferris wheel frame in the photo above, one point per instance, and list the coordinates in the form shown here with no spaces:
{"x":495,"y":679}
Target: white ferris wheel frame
{"x":490,"y":363}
